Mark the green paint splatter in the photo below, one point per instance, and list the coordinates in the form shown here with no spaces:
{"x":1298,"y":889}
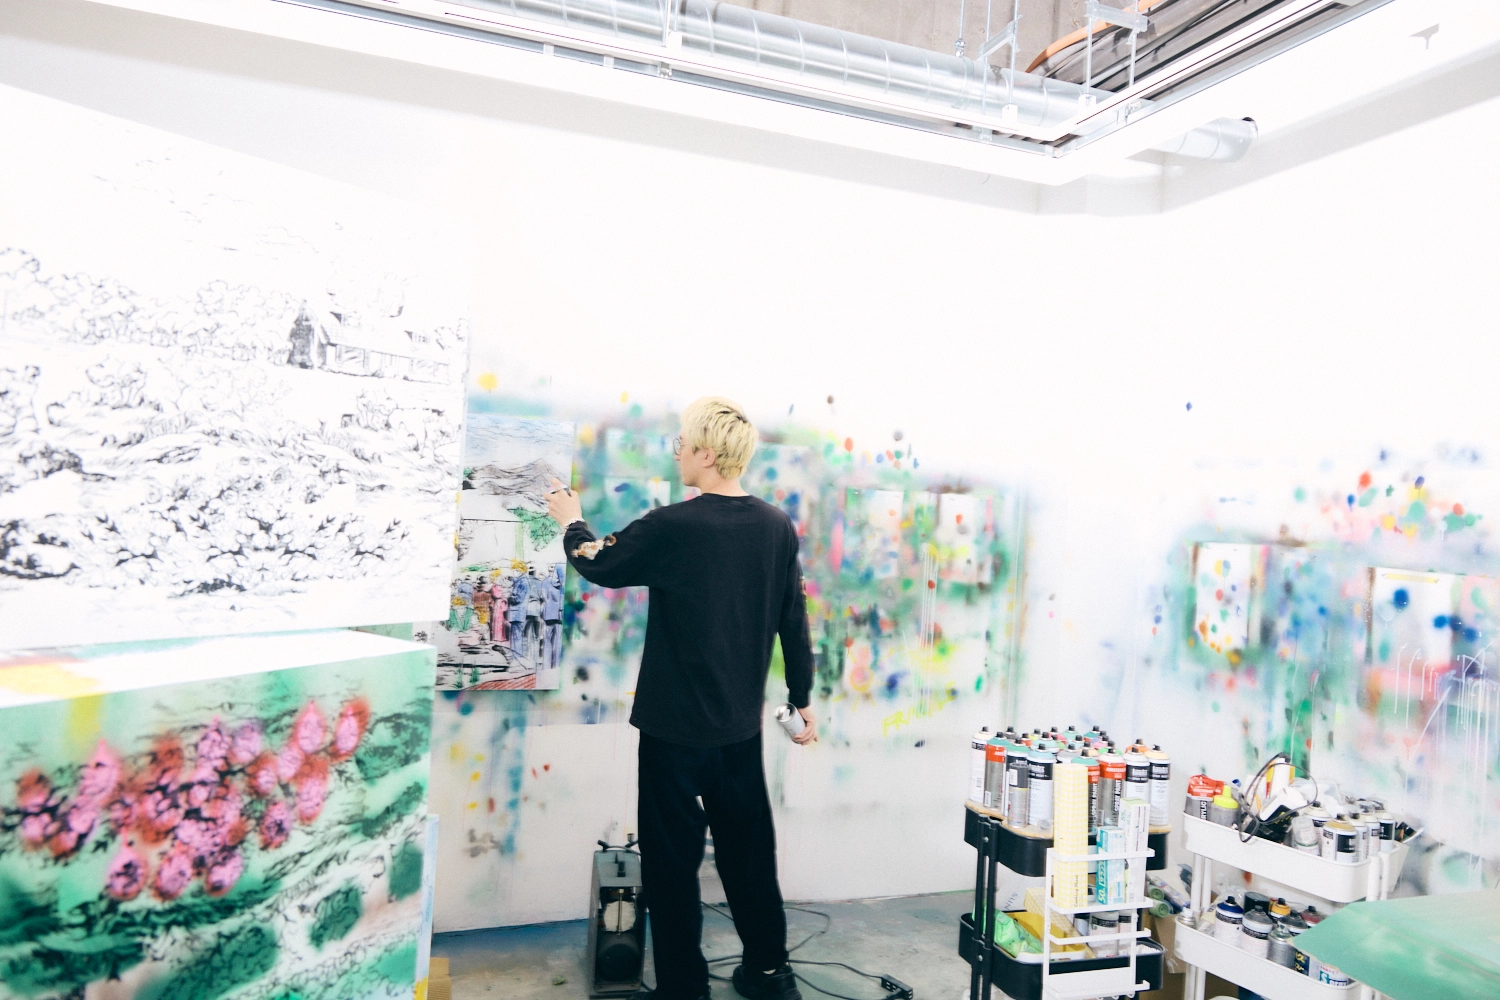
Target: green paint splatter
{"x":233,"y":960}
{"x":406,"y":871}
{"x":1367,"y":497}
{"x":1216,"y":706}
{"x":412,"y":797}
{"x":1299,"y":494}
{"x":336,"y":915}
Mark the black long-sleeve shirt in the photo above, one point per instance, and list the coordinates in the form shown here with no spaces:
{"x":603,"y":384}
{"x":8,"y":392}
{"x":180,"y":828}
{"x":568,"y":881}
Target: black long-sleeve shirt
{"x":724,"y":582}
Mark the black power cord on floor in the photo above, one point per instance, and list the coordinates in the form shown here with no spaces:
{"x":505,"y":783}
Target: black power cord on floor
{"x":895,"y":988}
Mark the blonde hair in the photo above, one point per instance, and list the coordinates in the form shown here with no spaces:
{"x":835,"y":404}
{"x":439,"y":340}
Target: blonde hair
{"x":718,"y":423}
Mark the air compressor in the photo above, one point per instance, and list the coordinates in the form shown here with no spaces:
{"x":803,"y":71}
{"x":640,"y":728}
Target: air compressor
{"x":617,"y":922}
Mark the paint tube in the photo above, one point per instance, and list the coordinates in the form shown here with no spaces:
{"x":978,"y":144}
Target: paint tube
{"x":1161,"y":786}
{"x":1111,"y":787}
{"x":1039,"y":809}
{"x":1018,"y":786}
{"x":977,"y":764}
{"x":791,"y":720}
{"x":994,"y":774}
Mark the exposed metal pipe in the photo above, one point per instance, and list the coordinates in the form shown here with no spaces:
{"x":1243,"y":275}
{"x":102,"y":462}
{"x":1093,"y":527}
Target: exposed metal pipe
{"x":739,"y":35}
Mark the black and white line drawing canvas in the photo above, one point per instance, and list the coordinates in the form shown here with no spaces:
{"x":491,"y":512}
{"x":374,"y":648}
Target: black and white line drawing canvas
{"x":504,"y":625}
{"x":230,"y":392}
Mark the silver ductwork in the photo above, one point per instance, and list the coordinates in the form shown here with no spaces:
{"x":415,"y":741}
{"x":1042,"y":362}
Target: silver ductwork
{"x":791,"y":48}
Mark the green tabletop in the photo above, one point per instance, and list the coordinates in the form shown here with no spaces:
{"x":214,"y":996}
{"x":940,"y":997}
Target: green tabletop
{"x":1420,"y":948}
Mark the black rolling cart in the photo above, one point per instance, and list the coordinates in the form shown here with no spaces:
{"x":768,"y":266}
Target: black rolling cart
{"x":996,"y":844}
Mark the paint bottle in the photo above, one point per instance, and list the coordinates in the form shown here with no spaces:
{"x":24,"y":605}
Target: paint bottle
{"x":1256,"y":901}
{"x":1200,"y":794}
{"x":1111,"y":787}
{"x":1161,"y":786}
{"x":791,"y":720}
{"x":1255,"y":932}
{"x":976,"y":764}
{"x":1227,"y":920}
{"x":994,"y":774}
{"x":1018,"y":785}
{"x":1279,"y":909}
{"x":1361,"y":837}
{"x":1137,"y":777}
{"x":1340,"y":842}
{"x":1305,"y":836}
{"x":1223,"y":810}
{"x":1372,"y":831}
{"x":1039,"y":810}
{"x":1280,"y":947}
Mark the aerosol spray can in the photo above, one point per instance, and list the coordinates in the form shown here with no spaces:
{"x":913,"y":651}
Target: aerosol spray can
{"x":1040,"y":807}
{"x":1094,"y":808}
{"x":976,"y":765}
{"x":1111,"y":787}
{"x":1137,"y":777}
{"x":994,"y":774}
{"x":791,"y":720}
{"x":1161,"y":786}
{"x":1018,"y":786}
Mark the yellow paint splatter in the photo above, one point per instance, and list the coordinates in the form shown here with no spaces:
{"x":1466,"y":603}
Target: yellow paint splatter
{"x":624,"y":397}
{"x":488,"y":381}
{"x":83,"y":720}
{"x":474,"y":776}
{"x":50,"y":679}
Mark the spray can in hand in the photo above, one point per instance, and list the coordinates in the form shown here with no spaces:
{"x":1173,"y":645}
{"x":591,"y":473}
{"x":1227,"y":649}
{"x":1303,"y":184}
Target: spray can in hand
{"x":791,"y":720}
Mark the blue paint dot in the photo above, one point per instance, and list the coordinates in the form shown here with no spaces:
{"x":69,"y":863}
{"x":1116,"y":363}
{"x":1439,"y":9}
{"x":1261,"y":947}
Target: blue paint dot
{"x":880,"y":457}
{"x":1322,"y":611}
{"x":450,"y":695}
{"x":1157,"y":620}
{"x":915,"y":463}
{"x":771,"y":472}
{"x":1441,"y":621}
{"x":1226,"y":567}
{"x":1401,"y":598}
{"x":622,"y":487}
{"x":1420,"y":481}
{"x":1350,"y":499}
{"x":1190,"y":406}
{"x":467,"y":708}
{"x":1471,"y":634}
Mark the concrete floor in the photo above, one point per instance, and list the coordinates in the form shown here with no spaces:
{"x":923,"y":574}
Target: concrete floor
{"x":914,"y":938}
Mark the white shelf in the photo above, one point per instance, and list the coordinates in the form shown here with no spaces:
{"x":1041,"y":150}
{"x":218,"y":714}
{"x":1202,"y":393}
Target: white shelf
{"x":1339,"y":883}
{"x":1272,"y":981}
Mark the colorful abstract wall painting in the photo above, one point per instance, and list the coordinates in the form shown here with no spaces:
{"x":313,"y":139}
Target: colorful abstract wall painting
{"x":1379,"y":676}
{"x":504,"y":629}
{"x":230,"y":392}
{"x":912,"y":592}
{"x":228,"y":818}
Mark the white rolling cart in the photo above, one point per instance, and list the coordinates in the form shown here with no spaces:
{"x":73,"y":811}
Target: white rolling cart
{"x":1309,"y":874}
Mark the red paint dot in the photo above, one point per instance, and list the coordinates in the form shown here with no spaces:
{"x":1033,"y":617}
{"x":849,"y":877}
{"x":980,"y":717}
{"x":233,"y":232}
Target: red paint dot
{"x":1218,"y":595}
{"x":1458,"y":509}
{"x":1364,"y":481}
{"x":848,"y":444}
{"x":958,"y":519}
{"x":931,"y":584}
{"x":546,"y":767}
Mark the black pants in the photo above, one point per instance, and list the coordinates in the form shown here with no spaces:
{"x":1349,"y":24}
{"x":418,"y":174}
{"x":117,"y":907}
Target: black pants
{"x":732,"y":784}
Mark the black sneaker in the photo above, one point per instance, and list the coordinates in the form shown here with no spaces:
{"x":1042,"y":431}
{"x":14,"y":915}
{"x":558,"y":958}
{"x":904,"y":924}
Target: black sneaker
{"x":778,"y":984}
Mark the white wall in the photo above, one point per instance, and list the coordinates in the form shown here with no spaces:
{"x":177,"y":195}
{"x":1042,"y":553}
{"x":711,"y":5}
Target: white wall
{"x":1312,"y":317}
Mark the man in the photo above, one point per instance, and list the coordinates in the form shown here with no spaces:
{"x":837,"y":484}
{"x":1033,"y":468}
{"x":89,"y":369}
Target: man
{"x":552,"y":612}
{"x":724,"y":581}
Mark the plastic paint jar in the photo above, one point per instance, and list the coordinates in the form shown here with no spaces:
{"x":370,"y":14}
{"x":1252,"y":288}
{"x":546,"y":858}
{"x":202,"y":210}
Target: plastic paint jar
{"x":1305,"y":836}
{"x":1227,"y":920}
{"x":1105,"y":922}
{"x":1332,"y":976}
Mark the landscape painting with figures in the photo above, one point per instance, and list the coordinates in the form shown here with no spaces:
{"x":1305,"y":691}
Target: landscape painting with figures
{"x":230,"y":392}
{"x":504,"y":624}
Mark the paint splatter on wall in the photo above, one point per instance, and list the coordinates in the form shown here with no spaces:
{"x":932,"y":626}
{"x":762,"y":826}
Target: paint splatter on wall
{"x":226,"y":818}
{"x":912,"y":594}
{"x":1365,"y":647}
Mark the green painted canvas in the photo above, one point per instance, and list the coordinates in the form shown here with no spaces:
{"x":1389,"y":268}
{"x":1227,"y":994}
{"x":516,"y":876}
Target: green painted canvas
{"x":229,"y":818}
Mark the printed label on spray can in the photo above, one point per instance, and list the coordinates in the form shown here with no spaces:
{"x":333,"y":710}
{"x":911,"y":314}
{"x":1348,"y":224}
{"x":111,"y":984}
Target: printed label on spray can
{"x":1161,"y":788}
{"x":1039,"y":810}
{"x":1018,"y":778}
{"x":976,"y":765}
{"x":994,"y":774}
